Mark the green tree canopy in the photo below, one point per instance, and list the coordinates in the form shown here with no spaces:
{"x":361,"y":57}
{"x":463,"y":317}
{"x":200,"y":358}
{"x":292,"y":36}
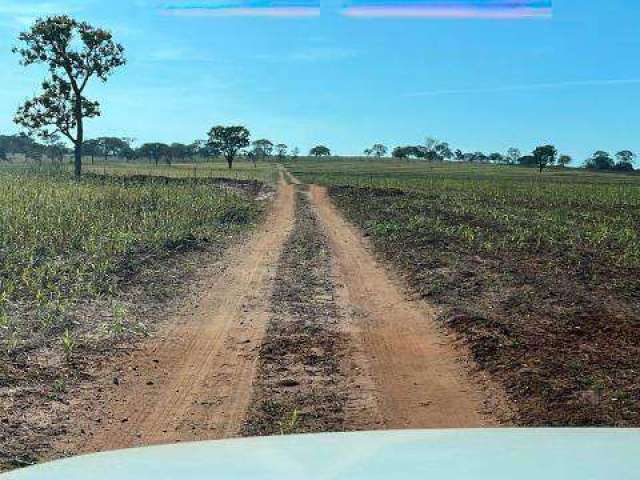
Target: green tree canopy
{"x":435,"y":150}
{"x":564,"y":160}
{"x":155,"y":151}
{"x":114,"y":147}
{"x":408,"y":151}
{"x":497,"y":157}
{"x":181,"y":151}
{"x":20,"y":144}
{"x":320,"y":151}
{"x":600,"y":160}
{"x":544,"y":156}
{"x":228,"y":141}
{"x":513,"y":154}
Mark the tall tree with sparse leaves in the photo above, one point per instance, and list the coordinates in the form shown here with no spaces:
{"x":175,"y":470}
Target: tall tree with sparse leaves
{"x":513,"y":154}
{"x":625,"y":160}
{"x":377,"y":150}
{"x":75,"y":52}
{"x":281,"y":151}
{"x":262,"y":148}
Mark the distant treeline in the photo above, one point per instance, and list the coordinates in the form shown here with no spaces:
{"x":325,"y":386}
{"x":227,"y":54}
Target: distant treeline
{"x":13,"y":147}
{"x":541,"y":157}
{"x":22,"y":146}
{"x":106,"y":148}
{"x":27,"y":148}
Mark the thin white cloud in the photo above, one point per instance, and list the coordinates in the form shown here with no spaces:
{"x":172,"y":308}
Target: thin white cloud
{"x":527,"y":87}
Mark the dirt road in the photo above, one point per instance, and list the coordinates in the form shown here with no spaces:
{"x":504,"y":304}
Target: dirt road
{"x":419,"y":380}
{"x":208,"y":373}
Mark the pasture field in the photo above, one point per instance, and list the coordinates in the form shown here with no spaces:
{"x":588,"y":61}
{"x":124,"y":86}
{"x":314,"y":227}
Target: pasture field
{"x":242,"y":170}
{"x":415,"y":174}
{"x":540,"y":274}
{"x":64,"y":242}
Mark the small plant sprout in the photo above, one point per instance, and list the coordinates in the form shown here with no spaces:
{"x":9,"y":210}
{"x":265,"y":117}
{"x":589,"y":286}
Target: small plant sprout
{"x":12,"y":342}
{"x":289,"y":425}
{"x":68,"y":345}
{"x":59,"y":386}
{"x":118,"y":313}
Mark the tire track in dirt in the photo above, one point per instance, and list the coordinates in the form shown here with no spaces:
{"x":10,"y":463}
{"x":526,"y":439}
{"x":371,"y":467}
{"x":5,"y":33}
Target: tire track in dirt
{"x":308,"y":379}
{"x":194,"y":381}
{"x":416,"y":369}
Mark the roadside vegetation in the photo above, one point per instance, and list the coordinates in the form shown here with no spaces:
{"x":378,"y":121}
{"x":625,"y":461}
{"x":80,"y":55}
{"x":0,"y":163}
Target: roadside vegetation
{"x":85,"y":268}
{"x":263,"y":173}
{"x":63,"y":241}
{"x":540,"y":275}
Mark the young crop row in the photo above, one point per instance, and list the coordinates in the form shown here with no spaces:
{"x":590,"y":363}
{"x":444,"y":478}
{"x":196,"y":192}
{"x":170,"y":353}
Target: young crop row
{"x":263,"y":171}
{"x":490,"y":214}
{"x":62,"y":240}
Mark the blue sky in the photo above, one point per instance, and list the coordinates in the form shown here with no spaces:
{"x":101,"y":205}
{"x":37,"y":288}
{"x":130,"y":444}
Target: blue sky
{"x":573,"y":79}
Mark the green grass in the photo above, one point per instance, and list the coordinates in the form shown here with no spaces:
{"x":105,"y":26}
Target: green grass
{"x":265,"y":172}
{"x":419,"y":174}
{"x":490,"y":208}
{"x":242,"y":170}
{"x":62,"y":240}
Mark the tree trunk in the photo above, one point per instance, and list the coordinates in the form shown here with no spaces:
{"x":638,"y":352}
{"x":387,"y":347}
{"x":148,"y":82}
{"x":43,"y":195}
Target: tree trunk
{"x":77,"y":164}
{"x":77,"y":170}
{"x":230,"y":161}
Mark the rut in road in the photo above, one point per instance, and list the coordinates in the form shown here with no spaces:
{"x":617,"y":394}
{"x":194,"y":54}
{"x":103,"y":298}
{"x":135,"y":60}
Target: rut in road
{"x":309,"y":378}
{"x":195,"y":382}
{"x":418,"y":378}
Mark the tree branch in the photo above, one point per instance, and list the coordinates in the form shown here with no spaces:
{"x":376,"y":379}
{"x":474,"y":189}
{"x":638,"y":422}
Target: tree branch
{"x":86,"y":79}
